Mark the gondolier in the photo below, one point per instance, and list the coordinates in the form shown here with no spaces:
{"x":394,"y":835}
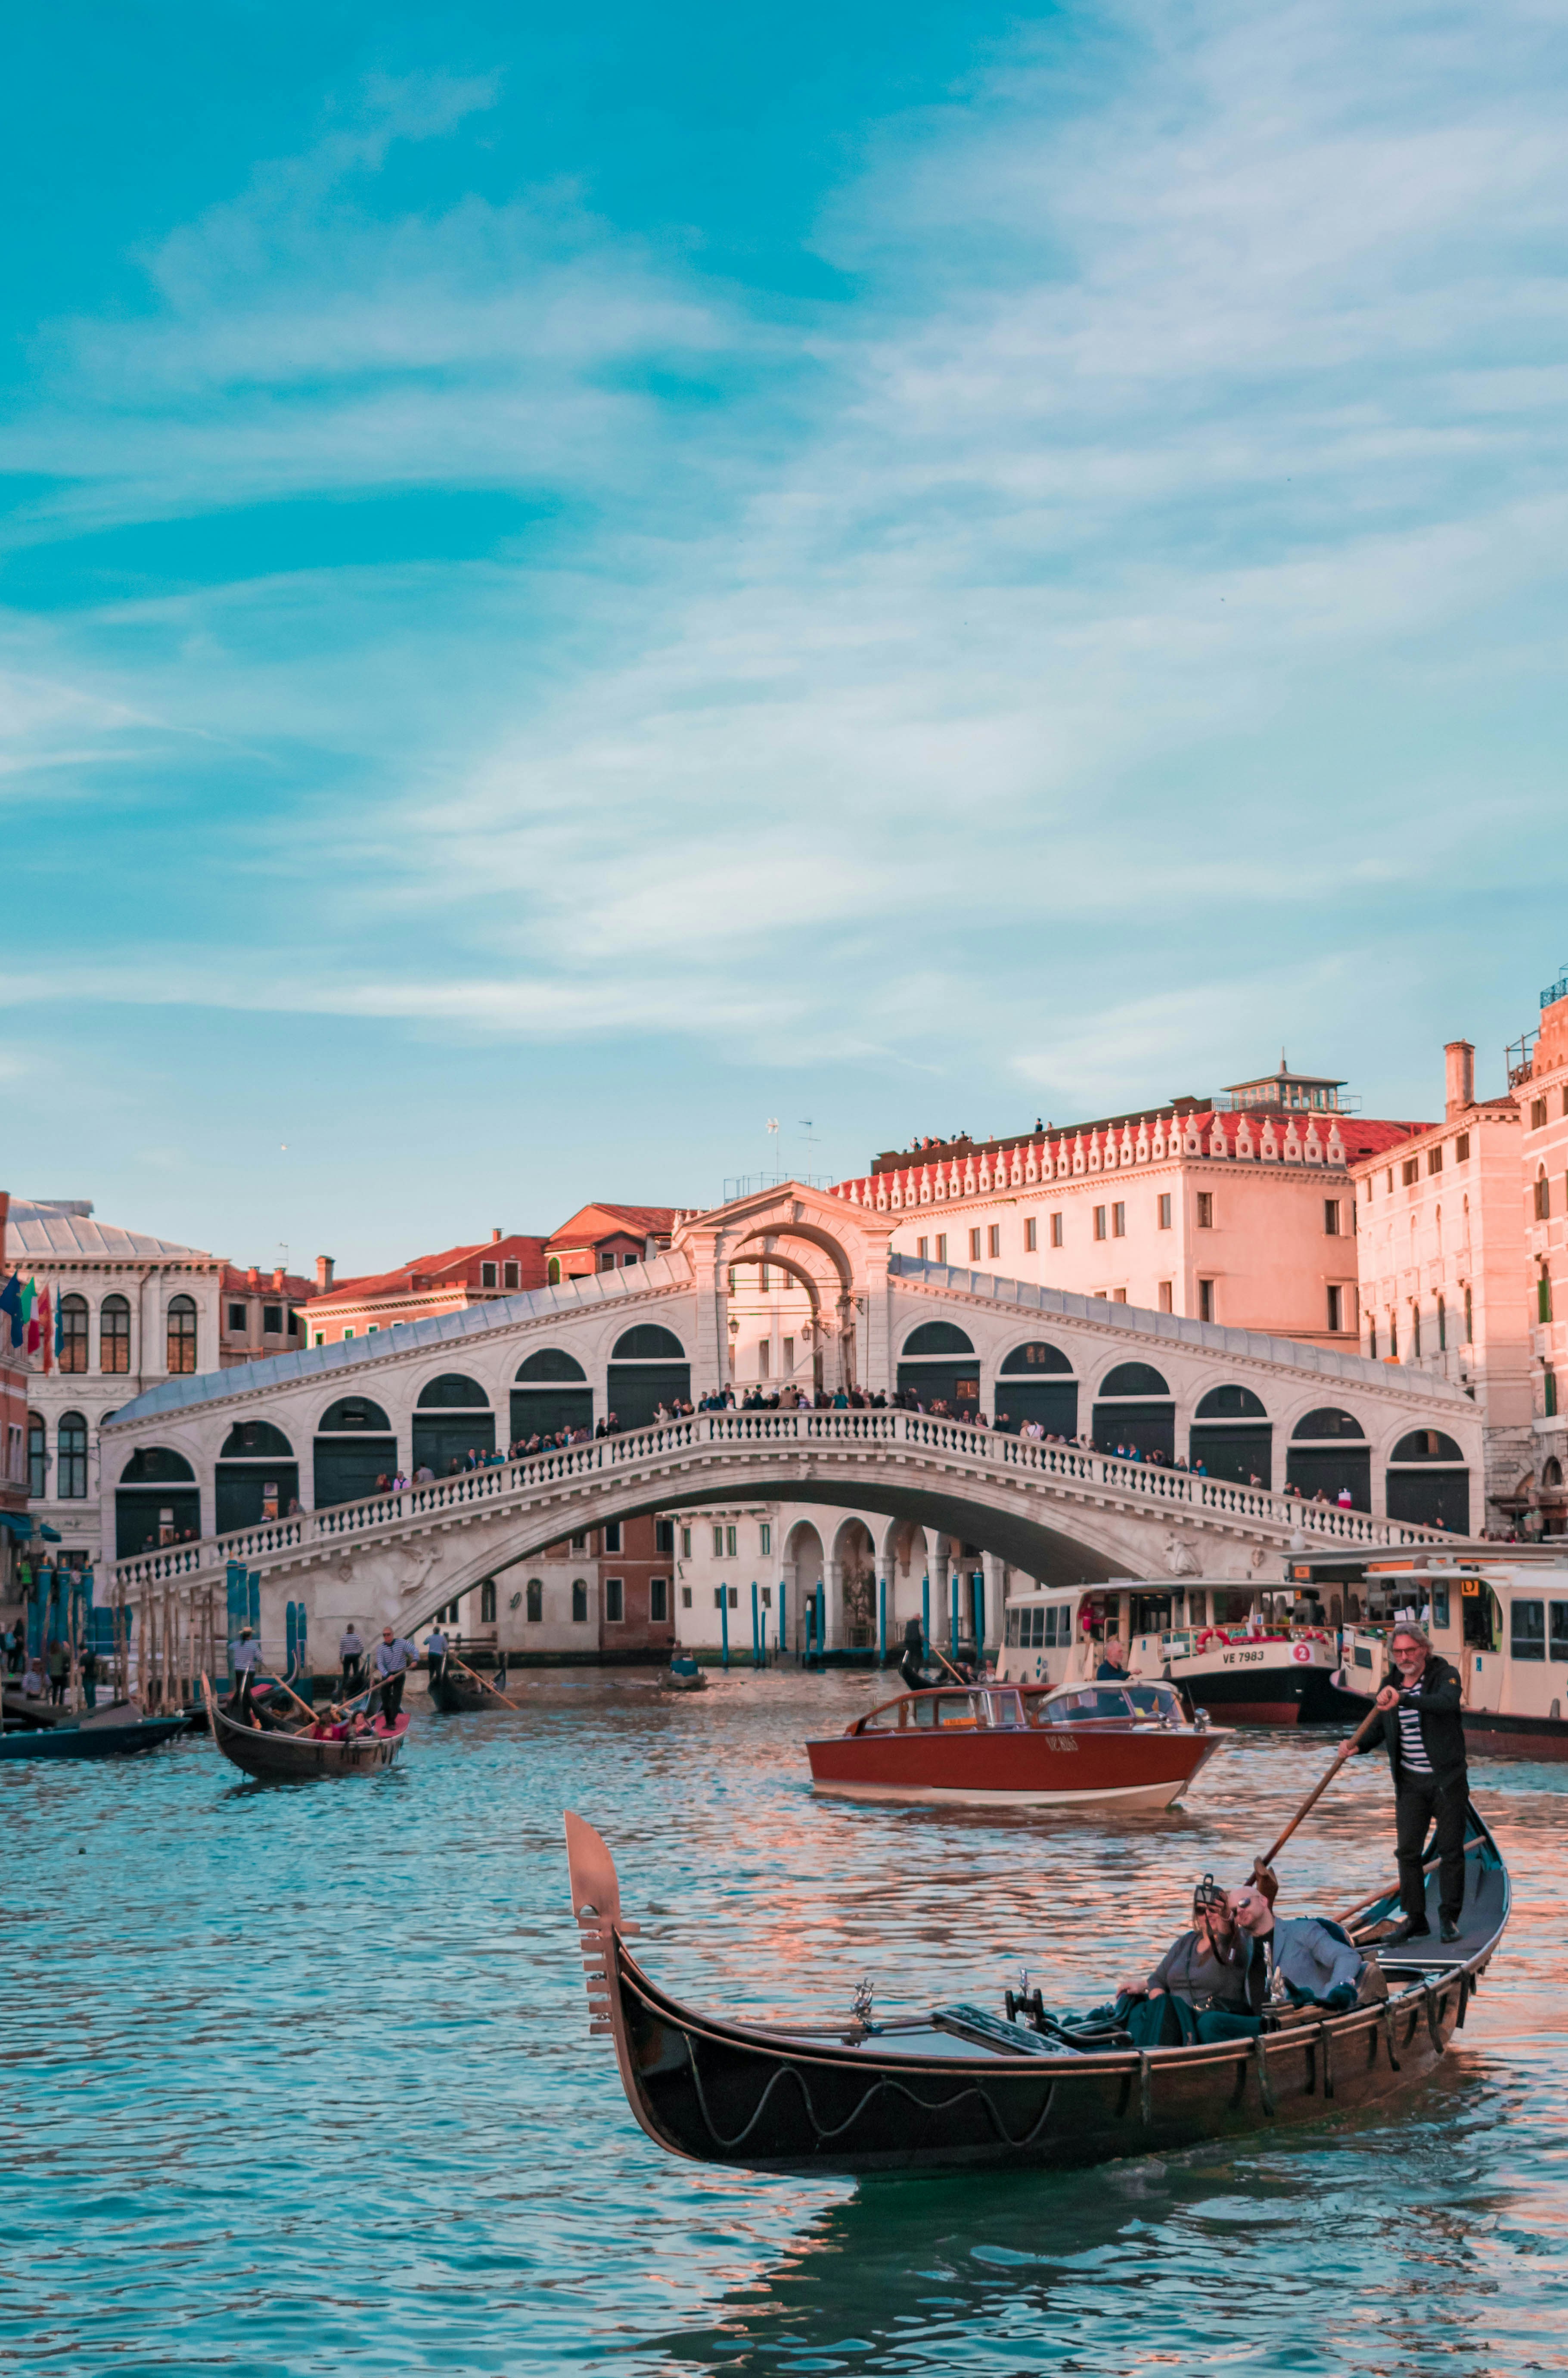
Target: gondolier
{"x":435,"y":1648}
{"x":245,"y":1658}
{"x":1424,"y":1734}
{"x":394,"y":1657}
{"x":351,"y":1656}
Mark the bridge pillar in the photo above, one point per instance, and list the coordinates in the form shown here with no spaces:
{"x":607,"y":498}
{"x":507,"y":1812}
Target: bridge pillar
{"x":833,"y":1588}
{"x":941,"y":1609}
{"x":996,"y":1596}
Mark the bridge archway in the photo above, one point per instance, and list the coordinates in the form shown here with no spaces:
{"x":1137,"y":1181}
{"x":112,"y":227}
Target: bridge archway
{"x":550,"y":1391}
{"x":647,"y":1367}
{"x":451,"y":1419}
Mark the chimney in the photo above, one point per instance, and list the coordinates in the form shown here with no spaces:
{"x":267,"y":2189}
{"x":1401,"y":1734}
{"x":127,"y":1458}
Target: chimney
{"x":278,"y":1277}
{"x":324,"y":1273}
{"x":1461,"y":1077}
{"x":496,"y":1237}
{"x":253,"y":1278}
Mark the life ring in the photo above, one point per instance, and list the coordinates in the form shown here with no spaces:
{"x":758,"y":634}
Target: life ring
{"x":1301,"y":1651}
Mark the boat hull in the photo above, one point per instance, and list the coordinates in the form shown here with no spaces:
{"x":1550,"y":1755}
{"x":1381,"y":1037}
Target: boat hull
{"x":301,"y":1758}
{"x":850,"y":2100}
{"x":454,"y":1694}
{"x":1043,"y":1766}
{"x":1263,"y":1685}
{"x":92,"y":1741}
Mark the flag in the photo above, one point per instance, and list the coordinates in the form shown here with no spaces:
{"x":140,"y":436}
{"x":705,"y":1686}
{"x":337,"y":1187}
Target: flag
{"x":46,"y":1329}
{"x":11,"y":1305}
{"x":29,"y":1315}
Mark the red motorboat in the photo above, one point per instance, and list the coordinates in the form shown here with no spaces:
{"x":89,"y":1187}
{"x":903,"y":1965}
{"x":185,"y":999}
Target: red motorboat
{"x":1017,"y":1746}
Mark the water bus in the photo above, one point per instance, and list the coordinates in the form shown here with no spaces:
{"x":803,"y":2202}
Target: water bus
{"x":1503,"y":1624}
{"x":1261,"y":1654}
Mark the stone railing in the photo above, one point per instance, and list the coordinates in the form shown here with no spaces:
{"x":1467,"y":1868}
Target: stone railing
{"x":984,"y":1453}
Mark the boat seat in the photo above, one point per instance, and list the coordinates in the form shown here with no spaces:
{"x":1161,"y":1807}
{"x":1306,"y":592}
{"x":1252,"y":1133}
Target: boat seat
{"x":966,"y":2022}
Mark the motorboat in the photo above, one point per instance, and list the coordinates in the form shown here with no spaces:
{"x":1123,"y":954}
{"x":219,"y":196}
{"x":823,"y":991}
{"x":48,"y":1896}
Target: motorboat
{"x":1250,"y":1654}
{"x":967,"y":2085}
{"x":1019,"y":1745}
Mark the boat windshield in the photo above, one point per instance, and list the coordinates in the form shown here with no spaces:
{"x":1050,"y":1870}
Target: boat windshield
{"x":1155,"y":1701}
{"x":1087,"y":1702}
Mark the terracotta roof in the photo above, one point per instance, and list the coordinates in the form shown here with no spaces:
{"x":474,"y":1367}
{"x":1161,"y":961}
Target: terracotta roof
{"x":293,"y":1283}
{"x":641,"y":1221}
{"x":436,"y":1271}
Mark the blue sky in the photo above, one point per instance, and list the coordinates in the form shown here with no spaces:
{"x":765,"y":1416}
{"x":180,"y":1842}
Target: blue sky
{"x":566,"y":588}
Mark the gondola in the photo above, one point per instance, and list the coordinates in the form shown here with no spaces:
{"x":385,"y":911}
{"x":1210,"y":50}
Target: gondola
{"x":287,"y":1755}
{"x":965,"y":2086}
{"x":455,"y":1690}
{"x":105,"y":1736}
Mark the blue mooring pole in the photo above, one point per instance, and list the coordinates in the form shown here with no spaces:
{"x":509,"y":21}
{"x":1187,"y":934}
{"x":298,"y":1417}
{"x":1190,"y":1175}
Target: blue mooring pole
{"x":881,"y":1622}
{"x":756,"y":1633}
{"x":725,"y":1623}
{"x":952,"y":1614}
{"x":979,"y":1616}
{"x":783,"y":1627}
{"x":924,"y":1611}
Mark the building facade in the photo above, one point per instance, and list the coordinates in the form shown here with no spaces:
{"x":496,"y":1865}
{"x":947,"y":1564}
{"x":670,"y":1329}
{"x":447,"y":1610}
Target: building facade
{"x":1239,"y":1211}
{"x":426,"y":1286}
{"x":1538,"y":1082}
{"x":16,"y":1526}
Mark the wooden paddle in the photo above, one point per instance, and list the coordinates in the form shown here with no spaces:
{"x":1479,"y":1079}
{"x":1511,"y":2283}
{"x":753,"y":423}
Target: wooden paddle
{"x":1263,"y":1875}
{"x":481,"y":1683}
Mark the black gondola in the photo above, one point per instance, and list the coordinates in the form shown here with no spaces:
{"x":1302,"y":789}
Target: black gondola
{"x":963,"y":2086}
{"x":454,"y":1689}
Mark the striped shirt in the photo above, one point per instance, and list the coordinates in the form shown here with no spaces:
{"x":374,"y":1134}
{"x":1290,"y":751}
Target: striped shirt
{"x":1412,"y":1750}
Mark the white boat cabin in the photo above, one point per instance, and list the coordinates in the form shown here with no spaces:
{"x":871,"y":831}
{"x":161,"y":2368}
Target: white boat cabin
{"x":1502,"y":1624}
{"x":1053,"y":1634}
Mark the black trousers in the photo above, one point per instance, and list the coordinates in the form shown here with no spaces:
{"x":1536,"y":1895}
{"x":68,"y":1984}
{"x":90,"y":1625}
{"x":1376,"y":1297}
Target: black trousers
{"x":353,"y":1675}
{"x":1419,"y":1799}
{"x":392,"y":1696}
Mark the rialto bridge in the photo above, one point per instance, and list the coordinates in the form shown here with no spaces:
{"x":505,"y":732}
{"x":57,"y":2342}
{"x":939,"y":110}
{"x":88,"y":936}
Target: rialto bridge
{"x":187,"y":1464}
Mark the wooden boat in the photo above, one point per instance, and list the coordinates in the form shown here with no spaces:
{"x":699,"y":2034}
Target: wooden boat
{"x":104,"y":1734}
{"x":963,"y":2086}
{"x":296,"y":1755}
{"x":29,"y":1709}
{"x":1237,"y":1651}
{"x":1005,"y":1745}
{"x":1504,"y":1625}
{"x":683,"y":1680}
{"x":454,"y":1689}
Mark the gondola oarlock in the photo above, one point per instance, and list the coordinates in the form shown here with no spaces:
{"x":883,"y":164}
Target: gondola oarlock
{"x":851,"y":2097}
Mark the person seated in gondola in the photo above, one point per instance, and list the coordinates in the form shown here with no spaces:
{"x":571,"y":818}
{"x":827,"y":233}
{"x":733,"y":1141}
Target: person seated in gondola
{"x":1307,"y":1960}
{"x":332,"y":1727}
{"x":1209,"y":1985}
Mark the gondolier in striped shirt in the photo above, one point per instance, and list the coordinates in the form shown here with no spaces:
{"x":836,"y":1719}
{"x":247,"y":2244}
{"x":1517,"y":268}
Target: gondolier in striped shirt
{"x":394,"y":1657}
{"x":1424,"y":1735}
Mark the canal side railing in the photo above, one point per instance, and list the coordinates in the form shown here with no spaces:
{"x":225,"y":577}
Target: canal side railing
{"x":984,"y":1453}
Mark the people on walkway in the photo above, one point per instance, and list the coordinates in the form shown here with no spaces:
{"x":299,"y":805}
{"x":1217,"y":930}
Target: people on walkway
{"x":1424,"y":1735}
{"x":394,"y":1657}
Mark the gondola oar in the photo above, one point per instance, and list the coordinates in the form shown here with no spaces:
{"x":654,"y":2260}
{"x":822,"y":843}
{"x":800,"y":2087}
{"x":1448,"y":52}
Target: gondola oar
{"x":1263,"y":1874}
{"x":482,"y":1685}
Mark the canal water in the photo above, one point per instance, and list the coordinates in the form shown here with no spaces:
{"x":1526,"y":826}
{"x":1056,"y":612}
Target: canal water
{"x":298,"y":2080}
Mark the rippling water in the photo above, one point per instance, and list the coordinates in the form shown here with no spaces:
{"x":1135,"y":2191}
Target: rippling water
{"x":299,"y":2080}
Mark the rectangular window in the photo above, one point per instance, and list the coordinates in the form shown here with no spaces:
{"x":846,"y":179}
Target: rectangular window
{"x":767,"y":1597}
{"x":271,"y":1320}
{"x":293,"y":1323}
{"x":1527,"y":1634}
{"x":1549,"y":1393}
{"x":686,"y":1546}
{"x":1118,"y":1221}
{"x":993,"y":1240}
{"x":1409,"y":1171}
{"x":579,"y":1544}
{"x":765,"y":1537}
{"x":1031,"y":1235}
{"x":789,"y":1357}
{"x":512,"y":1276}
{"x":1434,"y":1159}
{"x":1099,"y":1222}
{"x":1165,"y":1289}
{"x":372,"y":1328}
{"x":942,"y":1247}
{"x":1164,"y":1210}
{"x":1206,"y":1300}
{"x":318,"y":1336}
{"x":923,"y":1249}
{"x":1393,"y":1338}
{"x":1335,"y":1303}
{"x":1557,"y":1647}
{"x":606,"y":1261}
{"x":664,"y":1536}
{"x":1462,"y":1148}
{"x":348,"y":1333}
{"x":735,"y":1597}
{"x":488,"y":1275}
{"x":658,"y":1600}
{"x":579,"y":1601}
{"x":1543,"y":1198}
{"x":627,"y":1259}
{"x":1372,"y":1343}
{"x":1056,"y":1230}
{"x":236,"y":1317}
{"x":1537,"y":1114}
{"x":686,"y":1597}
{"x":764,"y":1356}
{"x":615,"y":1601}
{"x":1331,"y":1217}
{"x":612,"y":1535}
{"x":764,"y":1279}
{"x":974,"y":1246}
{"x":1543,"y":1295}
{"x":729,"y":1542}
{"x":718,"y":1543}
{"x":1205,"y":1209}
{"x":1119,"y":1296}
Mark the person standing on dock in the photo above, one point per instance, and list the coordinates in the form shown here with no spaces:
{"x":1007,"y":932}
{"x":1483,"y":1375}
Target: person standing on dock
{"x":351,"y":1655}
{"x":59,"y":1673}
{"x":394,"y":1656}
{"x":245,"y":1657}
{"x":89,"y":1671}
{"x":1424,"y":1735}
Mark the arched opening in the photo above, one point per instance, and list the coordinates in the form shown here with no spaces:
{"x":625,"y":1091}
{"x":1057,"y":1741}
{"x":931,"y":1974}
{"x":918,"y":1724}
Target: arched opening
{"x":114,"y":1336}
{"x":1036,"y":1383}
{"x":256,"y":1478}
{"x":1429,"y":1483}
{"x":535,"y":1605}
{"x":1329,"y":1458}
{"x":552,"y":1271}
{"x":647,"y":1367}
{"x":1231,"y":1436}
{"x":355,"y":1446}
{"x":939,"y":1366}
{"x":72,"y":1333}
{"x":182,"y":1336}
{"x":70,"y":1461}
{"x":1135,"y":1409}
{"x":857,"y":1557}
{"x":551,"y":1392}
{"x":452,"y":1419}
{"x":156,"y":1503}
{"x":804,"y":1568}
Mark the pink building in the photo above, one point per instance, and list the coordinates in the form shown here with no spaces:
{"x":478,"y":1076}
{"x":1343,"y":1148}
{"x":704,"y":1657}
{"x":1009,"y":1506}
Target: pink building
{"x":1442,"y":1247}
{"x":14,"y":1375}
{"x":1238,"y":1209}
{"x":1538,"y":1077}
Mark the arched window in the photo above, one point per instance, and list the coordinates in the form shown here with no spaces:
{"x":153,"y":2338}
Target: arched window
{"x":1551,"y":1472}
{"x":487,"y":1603}
{"x":254,"y":1440}
{"x":1327,"y":1421}
{"x":1428,"y":1485}
{"x":1034,"y":1359}
{"x":647,"y":1367}
{"x":648,"y":1343}
{"x":536,"y":1600}
{"x":1230,"y":1403}
{"x":1135,"y":1410}
{"x":553,"y":1271}
{"x":935,"y":1337}
{"x":551,"y":1363}
{"x":1426,"y":1445}
{"x":1543,"y":1195}
{"x":1329,"y":1457}
{"x":37,"y":1458}
{"x":182,"y":1336}
{"x":114,"y":1336}
{"x":1543,"y":1295}
{"x":453,"y":1425}
{"x":451,"y":1392}
{"x":70,"y":1469}
{"x":1415,"y":1331}
{"x":1133,"y":1379}
{"x":579,"y":1601}
{"x":1231,"y":1437}
{"x":1441,"y":1326}
{"x":72,"y":1333}
{"x":155,"y":1465}
{"x":355,"y":1416}
{"x":1469,"y":1317}
{"x":551,"y":1393}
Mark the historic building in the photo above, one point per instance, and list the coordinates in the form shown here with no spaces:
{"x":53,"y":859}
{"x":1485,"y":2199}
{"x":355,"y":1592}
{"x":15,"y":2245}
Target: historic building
{"x":449,"y":1282}
{"x":1539,"y":1081}
{"x":607,"y":1238}
{"x":1238,"y":1210}
{"x":16,"y":1526}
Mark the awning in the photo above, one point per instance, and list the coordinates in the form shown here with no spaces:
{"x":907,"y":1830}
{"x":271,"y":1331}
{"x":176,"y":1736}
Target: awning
{"x":18,"y":1524}
{"x":50,"y":1535}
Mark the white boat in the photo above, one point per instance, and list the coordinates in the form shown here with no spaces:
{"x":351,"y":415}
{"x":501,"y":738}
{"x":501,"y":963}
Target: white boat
{"x":1504,"y":1625}
{"x":1250,"y":1654}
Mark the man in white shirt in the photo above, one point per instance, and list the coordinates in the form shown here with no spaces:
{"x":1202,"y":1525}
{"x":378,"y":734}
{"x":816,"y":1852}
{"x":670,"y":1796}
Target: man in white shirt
{"x":394,"y":1656}
{"x":245,"y":1658}
{"x":351,"y":1655}
{"x":435,"y":1650}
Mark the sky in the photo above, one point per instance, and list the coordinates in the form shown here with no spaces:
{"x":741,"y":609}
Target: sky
{"x":572,"y":588}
